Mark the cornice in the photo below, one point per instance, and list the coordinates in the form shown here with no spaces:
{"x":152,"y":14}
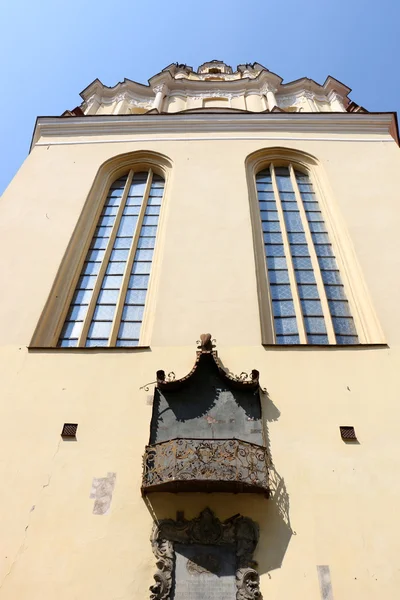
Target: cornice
{"x":126,"y":86}
{"x":149,"y":124}
{"x":305,"y":83}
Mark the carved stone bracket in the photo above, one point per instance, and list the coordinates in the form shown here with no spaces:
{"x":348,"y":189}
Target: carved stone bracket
{"x":238,"y":532}
{"x":268,"y":87}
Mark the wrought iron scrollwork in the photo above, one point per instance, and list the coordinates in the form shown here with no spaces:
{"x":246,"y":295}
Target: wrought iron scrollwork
{"x":146,"y":386}
{"x":213,"y":462}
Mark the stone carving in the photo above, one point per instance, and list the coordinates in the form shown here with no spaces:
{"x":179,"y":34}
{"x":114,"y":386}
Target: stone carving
{"x":164,"y":552}
{"x":120,"y":97}
{"x":140,"y":104}
{"x":131,"y":100}
{"x":286,"y":101}
{"x":211,"y":94}
{"x":160,"y":88}
{"x":267,"y":87}
{"x":248,"y":584}
{"x":238,"y":532}
{"x":206,"y":529}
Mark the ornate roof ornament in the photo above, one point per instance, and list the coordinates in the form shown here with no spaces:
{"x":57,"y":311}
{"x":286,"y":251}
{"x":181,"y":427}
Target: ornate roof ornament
{"x":206,"y":343}
{"x":215,"y":66}
{"x":206,"y":352}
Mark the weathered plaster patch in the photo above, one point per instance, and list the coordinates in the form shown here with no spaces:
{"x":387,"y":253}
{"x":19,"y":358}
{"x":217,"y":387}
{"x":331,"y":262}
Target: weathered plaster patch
{"x":101,"y":492}
{"x":324,"y":576}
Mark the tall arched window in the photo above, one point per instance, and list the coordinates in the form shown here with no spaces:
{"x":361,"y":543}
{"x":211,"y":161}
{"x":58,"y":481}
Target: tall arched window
{"x":109,"y":298}
{"x":308,"y":299}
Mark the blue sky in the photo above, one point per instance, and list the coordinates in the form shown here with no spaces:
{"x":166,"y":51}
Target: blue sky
{"x":51,"y":50}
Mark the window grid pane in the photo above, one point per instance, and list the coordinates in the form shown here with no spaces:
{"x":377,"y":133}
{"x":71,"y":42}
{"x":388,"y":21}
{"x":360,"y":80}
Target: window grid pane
{"x":299,"y":250}
{"x":277,"y":263}
{"x":133,"y":309}
{"x":100,"y":327}
{"x":285,"y":323}
{"x":84,"y":289}
{"x":343,"y":322}
{"x":104,"y":311}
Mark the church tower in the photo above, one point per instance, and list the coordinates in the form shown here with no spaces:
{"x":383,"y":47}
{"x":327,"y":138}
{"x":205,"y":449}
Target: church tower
{"x":200,"y":344}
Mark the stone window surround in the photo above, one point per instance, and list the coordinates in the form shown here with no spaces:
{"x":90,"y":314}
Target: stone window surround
{"x":366,"y":321}
{"x":53,"y":316}
{"x":240,"y":533}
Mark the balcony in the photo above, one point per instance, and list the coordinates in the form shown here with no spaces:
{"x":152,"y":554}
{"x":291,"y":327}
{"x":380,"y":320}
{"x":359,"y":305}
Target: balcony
{"x":205,"y":465}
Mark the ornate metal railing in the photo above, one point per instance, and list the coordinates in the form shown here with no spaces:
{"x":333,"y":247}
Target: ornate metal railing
{"x":218,"y":465}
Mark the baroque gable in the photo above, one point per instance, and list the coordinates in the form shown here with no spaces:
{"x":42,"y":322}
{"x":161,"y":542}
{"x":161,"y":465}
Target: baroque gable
{"x":251,"y":87}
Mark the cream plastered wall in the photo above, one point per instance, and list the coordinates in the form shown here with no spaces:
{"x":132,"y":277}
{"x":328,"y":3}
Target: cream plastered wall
{"x":336,"y":504}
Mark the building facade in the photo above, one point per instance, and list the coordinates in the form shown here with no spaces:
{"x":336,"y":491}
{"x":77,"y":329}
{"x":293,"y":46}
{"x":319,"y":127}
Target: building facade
{"x":200,"y":344}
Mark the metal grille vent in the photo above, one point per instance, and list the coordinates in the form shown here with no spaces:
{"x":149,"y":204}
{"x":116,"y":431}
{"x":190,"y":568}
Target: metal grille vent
{"x":69,"y":430}
{"x":348,"y":434}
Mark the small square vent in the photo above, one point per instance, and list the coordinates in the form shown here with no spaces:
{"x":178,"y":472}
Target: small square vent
{"x":69,"y":430}
{"x":348,"y":434}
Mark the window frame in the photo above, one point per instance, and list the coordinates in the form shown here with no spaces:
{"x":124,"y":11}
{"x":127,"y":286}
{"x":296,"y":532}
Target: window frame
{"x":361,"y":308}
{"x":53,"y":316}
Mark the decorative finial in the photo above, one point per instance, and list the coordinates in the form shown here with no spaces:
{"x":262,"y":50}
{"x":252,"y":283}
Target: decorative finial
{"x":206,"y":343}
{"x":160,"y":375}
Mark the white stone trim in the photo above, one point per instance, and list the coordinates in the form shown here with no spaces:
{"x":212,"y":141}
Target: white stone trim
{"x":215,"y":138}
{"x":354,"y":124}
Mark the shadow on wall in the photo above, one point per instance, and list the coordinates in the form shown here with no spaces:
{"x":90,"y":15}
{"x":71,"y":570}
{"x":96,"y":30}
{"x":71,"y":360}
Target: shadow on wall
{"x":206,"y":407}
{"x":275,"y":527}
{"x":271,"y":515}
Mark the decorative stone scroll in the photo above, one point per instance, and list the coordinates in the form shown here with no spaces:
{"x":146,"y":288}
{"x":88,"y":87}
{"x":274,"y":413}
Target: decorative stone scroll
{"x":237,"y":533}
